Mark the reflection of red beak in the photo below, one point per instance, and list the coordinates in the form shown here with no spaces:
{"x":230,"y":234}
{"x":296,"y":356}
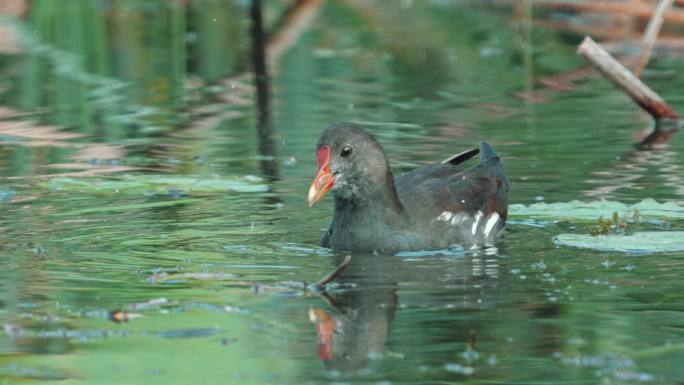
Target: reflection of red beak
{"x":324,"y":179}
{"x":325,"y":327}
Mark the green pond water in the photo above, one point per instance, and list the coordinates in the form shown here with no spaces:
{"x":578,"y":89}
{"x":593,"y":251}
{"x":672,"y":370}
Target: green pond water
{"x":133,"y":178}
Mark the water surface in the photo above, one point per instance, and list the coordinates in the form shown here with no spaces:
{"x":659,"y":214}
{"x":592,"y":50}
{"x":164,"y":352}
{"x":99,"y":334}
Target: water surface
{"x":146,"y":189}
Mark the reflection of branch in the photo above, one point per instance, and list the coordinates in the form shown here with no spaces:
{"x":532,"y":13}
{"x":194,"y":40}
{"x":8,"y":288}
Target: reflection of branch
{"x":237,"y":90}
{"x":651,"y":35}
{"x":662,"y":132}
{"x":260,"y":71}
{"x":267,"y":148}
{"x":563,"y":82}
{"x":627,"y":173}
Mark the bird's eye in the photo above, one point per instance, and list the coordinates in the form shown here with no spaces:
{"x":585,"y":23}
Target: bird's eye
{"x":346,"y":151}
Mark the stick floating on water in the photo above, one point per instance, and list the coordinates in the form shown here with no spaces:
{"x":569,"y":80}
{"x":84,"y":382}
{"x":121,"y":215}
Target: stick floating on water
{"x":330,"y":277}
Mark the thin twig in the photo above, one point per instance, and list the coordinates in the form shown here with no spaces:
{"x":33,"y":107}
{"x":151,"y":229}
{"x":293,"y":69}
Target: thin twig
{"x":327,"y":279}
{"x":651,"y":35}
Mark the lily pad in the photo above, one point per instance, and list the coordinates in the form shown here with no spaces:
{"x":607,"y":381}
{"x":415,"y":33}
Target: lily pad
{"x":591,"y":211}
{"x":643,"y":242}
{"x":157,"y":184}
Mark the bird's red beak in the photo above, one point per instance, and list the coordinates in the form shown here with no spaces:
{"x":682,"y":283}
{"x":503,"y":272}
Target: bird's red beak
{"x":324,"y":179}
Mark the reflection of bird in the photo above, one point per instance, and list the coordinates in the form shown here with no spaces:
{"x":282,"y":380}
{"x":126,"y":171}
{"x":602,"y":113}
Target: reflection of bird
{"x":357,"y":326}
{"x":430,"y":207}
{"x":325,"y":327}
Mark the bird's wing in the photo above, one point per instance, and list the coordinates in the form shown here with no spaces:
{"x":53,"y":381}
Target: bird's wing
{"x":448,"y":186}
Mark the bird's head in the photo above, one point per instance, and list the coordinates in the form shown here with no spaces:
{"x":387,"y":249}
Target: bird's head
{"x":349,"y":161}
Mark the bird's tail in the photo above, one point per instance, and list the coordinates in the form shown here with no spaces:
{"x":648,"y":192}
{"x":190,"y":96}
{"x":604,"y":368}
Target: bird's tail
{"x":487,"y":154}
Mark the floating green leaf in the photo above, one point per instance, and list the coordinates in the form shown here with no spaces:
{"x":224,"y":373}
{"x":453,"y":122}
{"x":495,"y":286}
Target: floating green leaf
{"x":643,"y":242}
{"x":581,"y":211}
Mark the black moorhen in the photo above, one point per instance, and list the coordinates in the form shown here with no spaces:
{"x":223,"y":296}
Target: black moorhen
{"x":429,"y":208}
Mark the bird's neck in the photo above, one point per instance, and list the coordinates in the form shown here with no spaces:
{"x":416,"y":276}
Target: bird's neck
{"x":371,"y":204}
{"x":371,"y":219}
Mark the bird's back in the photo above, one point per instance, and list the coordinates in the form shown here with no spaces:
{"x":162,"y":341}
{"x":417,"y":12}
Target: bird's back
{"x":449,"y":203}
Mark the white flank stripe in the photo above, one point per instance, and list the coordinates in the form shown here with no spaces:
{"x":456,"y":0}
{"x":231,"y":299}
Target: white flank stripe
{"x":491,"y":222}
{"x":478,"y":216}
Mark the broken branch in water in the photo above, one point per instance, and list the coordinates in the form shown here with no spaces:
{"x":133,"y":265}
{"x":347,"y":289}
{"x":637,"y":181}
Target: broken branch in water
{"x":327,"y":279}
{"x":651,"y":35}
{"x":625,"y":80}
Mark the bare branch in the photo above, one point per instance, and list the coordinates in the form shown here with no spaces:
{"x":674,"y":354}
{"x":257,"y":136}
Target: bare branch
{"x":651,"y":35}
{"x":625,"y":80}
